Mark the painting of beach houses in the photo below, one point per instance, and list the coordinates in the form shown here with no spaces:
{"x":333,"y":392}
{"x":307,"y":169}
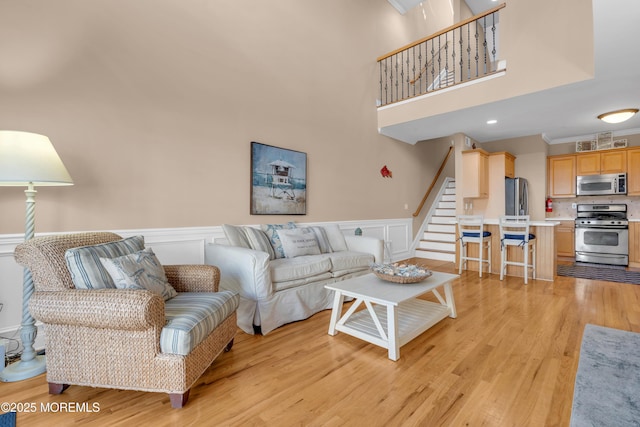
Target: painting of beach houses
{"x":278,"y":181}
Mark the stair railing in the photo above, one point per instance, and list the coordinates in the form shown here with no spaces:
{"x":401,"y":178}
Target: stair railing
{"x":433,"y":183}
{"x":467,"y":50}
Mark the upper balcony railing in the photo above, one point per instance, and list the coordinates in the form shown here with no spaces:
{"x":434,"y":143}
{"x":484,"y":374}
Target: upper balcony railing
{"x":460,"y":53}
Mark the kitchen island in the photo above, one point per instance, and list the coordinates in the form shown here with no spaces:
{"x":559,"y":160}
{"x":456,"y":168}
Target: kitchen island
{"x":546,"y":251}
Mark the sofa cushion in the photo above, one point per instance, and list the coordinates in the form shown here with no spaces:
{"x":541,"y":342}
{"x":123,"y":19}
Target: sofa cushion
{"x":259,"y":241}
{"x":280,"y":286}
{"x":350,"y":260}
{"x":192,"y":316}
{"x":236,"y":236}
{"x":271,"y":230}
{"x":140,"y":270}
{"x":336,"y":238}
{"x":298,"y":242}
{"x":87,"y":272}
{"x":285,"y":269}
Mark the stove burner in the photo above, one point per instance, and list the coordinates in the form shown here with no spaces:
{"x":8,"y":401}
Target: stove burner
{"x":614,"y":215}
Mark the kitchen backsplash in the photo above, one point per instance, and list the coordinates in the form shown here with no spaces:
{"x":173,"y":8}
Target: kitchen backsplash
{"x":562,"y":208}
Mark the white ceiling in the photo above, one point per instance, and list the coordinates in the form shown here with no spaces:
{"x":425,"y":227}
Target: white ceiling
{"x":561,"y":114}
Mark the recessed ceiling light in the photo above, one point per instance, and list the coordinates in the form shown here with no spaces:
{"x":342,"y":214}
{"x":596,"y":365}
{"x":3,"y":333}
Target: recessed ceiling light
{"x":492,"y":122}
{"x":618,"y":116}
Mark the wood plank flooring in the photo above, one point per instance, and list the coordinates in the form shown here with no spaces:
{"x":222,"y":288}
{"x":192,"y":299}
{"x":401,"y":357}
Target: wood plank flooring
{"x":508,"y":359}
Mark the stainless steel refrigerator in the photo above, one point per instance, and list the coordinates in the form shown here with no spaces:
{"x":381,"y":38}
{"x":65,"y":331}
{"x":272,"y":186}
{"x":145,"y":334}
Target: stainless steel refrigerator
{"x":516,"y":196}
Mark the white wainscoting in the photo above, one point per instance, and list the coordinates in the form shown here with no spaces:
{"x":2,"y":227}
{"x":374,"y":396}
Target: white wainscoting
{"x":175,"y":246}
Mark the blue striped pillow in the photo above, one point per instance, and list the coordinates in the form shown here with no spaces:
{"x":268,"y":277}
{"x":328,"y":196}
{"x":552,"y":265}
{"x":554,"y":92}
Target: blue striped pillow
{"x":259,"y":241}
{"x":84,"y":263}
{"x":323,"y":239}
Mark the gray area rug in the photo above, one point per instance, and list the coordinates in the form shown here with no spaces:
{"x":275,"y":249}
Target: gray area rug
{"x":599,"y":273}
{"x":607,"y":388}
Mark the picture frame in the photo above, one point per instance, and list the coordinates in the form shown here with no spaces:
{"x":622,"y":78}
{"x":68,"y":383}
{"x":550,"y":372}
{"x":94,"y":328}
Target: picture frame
{"x":278,"y":180}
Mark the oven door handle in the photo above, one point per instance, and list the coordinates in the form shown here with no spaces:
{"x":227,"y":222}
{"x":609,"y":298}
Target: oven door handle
{"x":604,"y":227}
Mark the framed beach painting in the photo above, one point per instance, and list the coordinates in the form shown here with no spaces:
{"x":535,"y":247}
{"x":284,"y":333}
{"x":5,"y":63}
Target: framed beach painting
{"x":278,"y":181}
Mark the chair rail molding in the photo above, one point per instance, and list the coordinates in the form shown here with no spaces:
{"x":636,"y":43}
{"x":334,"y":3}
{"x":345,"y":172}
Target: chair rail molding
{"x":172,"y":246}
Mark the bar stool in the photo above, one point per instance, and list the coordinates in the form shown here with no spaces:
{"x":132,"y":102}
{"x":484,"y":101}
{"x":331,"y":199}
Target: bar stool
{"x":470,"y":230}
{"x":514,"y":231}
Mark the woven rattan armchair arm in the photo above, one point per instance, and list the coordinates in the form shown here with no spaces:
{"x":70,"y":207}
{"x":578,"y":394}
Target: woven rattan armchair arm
{"x":101,"y":308}
{"x":193,"y":278}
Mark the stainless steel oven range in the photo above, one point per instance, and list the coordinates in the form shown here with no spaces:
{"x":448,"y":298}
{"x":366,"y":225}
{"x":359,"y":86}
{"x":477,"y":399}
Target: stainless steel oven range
{"x":602,"y":234}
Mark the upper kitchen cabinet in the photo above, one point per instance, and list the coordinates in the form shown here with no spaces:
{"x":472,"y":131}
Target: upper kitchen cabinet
{"x":475,"y":178}
{"x":561,"y":176}
{"x":588,"y":164}
{"x":509,"y":164}
{"x":614,"y":161}
{"x":633,"y":172}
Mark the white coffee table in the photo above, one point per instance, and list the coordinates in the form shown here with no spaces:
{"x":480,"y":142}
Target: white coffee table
{"x":394,"y":315}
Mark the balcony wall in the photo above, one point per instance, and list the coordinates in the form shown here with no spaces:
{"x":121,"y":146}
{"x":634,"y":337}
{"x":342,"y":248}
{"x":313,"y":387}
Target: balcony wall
{"x":546,"y":44}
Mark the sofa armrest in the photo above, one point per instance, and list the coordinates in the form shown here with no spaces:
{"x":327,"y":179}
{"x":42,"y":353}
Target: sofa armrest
{"x":100,"y":308}
{"x":371,"y":245}
{"x":193,"y":278}
{"x":247,"y":267}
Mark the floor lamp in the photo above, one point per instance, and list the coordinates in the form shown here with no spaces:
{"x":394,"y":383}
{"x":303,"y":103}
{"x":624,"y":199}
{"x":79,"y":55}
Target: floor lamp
{"x":28,"y":159}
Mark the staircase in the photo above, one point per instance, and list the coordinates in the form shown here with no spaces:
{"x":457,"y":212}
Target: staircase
{"x":438,"y":240}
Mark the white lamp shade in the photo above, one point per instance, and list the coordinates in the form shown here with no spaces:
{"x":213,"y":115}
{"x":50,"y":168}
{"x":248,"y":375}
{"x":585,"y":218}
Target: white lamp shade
{"x":29,"y":158}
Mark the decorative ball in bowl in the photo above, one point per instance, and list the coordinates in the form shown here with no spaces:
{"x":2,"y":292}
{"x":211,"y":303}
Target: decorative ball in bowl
{"x":400,"y":273}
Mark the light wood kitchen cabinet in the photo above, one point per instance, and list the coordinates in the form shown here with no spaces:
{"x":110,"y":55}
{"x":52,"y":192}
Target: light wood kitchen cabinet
{"x":566,"y":238}
{"x":561,"y":176}
{"x":634,"y":244}
{"x":475,"y":178}
{"x":614,"y":161}
{"x":633,"y":172}
{"x":509,"y":165}
{"x":588,"y":164}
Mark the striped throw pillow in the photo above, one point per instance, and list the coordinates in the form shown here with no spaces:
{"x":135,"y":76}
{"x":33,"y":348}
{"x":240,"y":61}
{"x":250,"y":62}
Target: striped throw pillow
{"x":87,"y":272}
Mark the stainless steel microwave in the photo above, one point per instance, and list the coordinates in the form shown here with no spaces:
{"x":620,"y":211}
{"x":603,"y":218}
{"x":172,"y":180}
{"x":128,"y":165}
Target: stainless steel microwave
{"x":601,"y":185}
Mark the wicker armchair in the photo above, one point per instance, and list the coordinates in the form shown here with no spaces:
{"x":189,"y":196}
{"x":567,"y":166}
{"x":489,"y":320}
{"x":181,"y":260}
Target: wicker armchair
{"x":110,"y":337}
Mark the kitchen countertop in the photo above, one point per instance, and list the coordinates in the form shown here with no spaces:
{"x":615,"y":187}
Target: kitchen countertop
{"x":545,"y":223}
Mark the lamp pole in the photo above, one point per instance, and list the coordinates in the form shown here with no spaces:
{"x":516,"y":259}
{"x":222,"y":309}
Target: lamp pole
{"x":30,"y":363}
{"x":28,"y":159}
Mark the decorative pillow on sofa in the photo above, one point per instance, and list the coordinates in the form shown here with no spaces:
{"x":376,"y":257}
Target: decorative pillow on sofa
{"x":298,"y":242}
{"x":140,"y":270}
{"x":236,"y":236}
{"x":84,"y":263}
{"x":259,"y":241}
{"x":323,"y":239}
{"x":271,"y":230}
{"x":336,"y":238}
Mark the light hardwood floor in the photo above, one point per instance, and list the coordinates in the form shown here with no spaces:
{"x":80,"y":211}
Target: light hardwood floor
{"x":508,"y":359}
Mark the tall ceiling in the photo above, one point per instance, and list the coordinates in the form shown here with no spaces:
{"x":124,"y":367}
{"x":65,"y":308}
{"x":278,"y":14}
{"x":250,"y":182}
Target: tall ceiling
{"x":561,"y":114}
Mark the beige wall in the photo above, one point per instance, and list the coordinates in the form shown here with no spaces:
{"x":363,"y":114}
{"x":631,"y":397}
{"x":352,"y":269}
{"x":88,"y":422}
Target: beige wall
{"x":152,"y":106}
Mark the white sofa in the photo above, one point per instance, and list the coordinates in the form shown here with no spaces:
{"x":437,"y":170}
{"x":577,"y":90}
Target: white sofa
{"x":275,"y":291}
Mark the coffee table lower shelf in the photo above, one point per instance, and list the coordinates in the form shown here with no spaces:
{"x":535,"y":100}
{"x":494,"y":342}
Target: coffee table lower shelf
{"x":390,"y":315}
{"x":413,"y":318}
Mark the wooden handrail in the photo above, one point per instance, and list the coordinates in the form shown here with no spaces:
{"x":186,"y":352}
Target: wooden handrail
{"x":426,"y":195}
{"x":439,"y":33}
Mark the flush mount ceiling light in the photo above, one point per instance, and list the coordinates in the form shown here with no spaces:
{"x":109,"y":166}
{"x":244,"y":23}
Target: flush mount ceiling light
{"x":492,"y":122}
{"x":618,"y":116}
